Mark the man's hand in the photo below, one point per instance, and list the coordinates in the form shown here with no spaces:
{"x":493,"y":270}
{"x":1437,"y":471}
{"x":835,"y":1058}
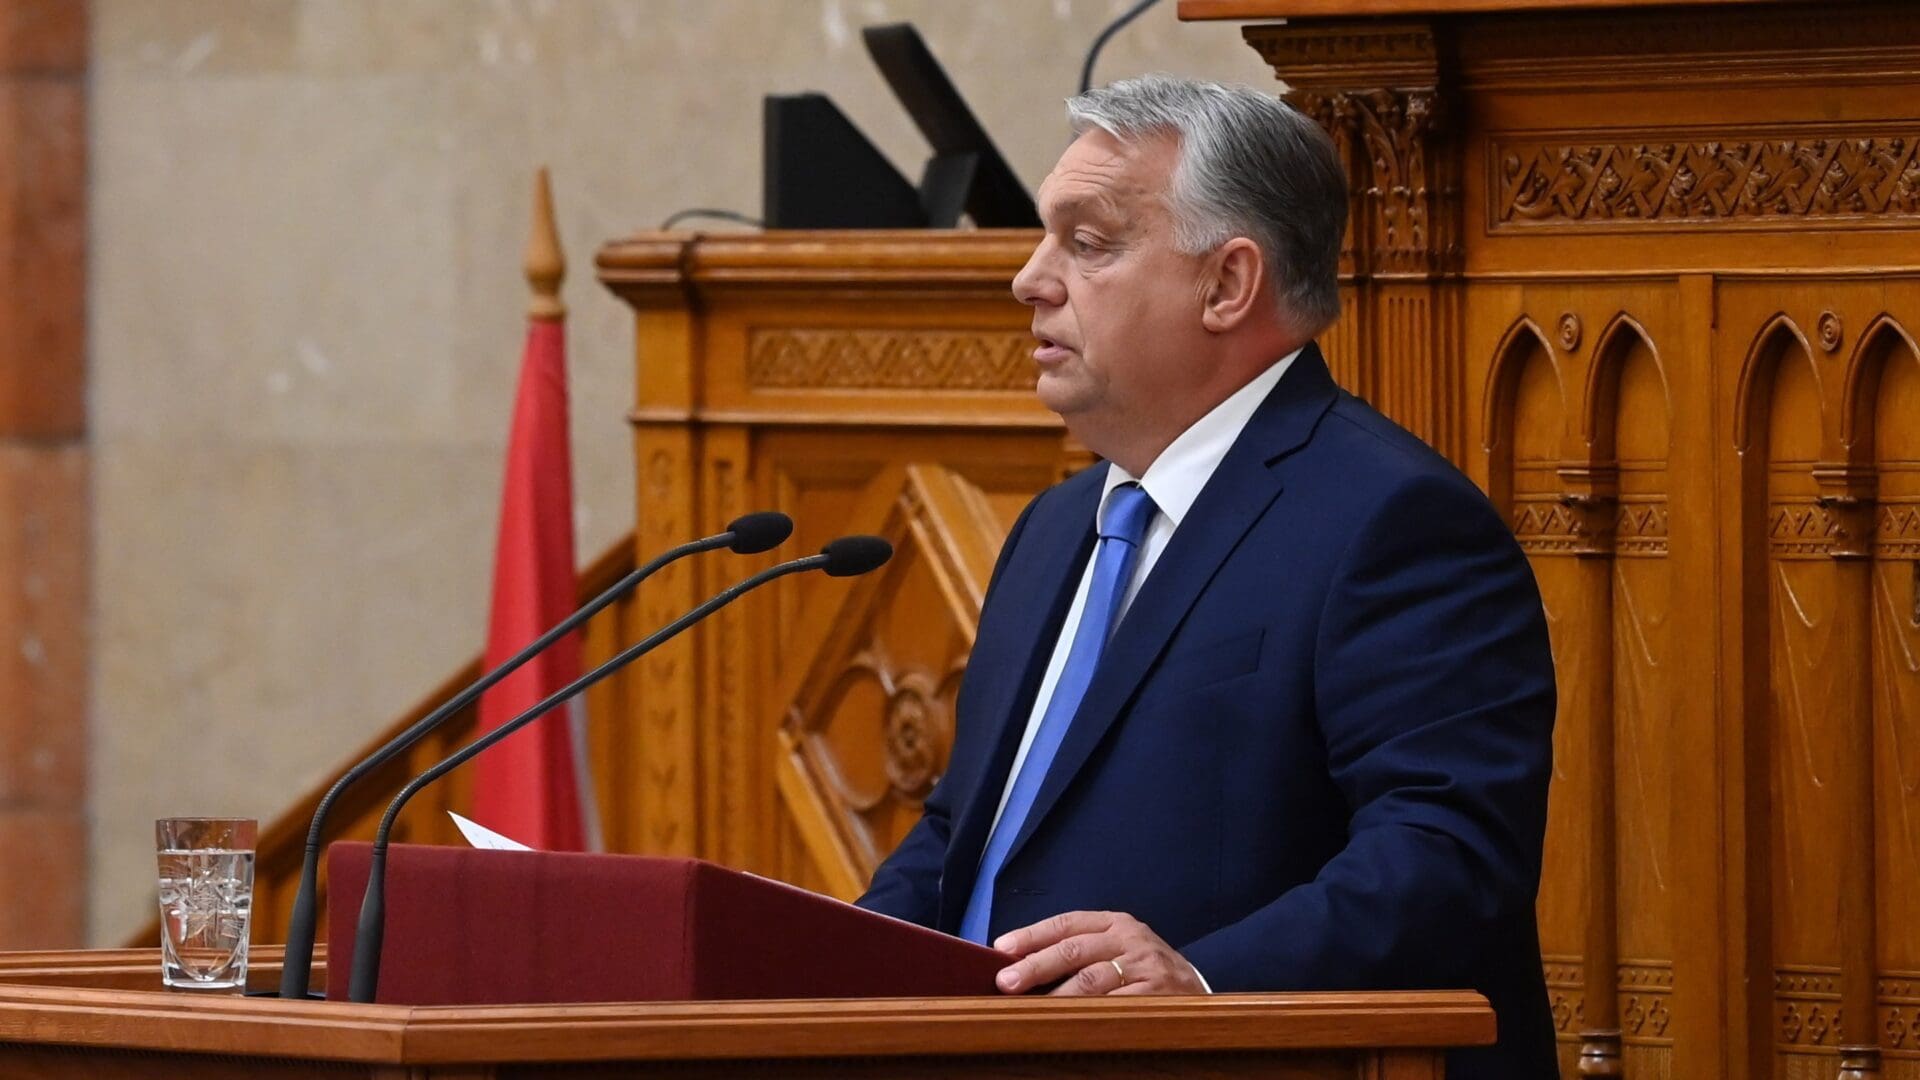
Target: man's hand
{"x":1095,"y":952}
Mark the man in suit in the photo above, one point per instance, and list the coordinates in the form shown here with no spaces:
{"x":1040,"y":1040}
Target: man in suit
{"x":1263,"y":702}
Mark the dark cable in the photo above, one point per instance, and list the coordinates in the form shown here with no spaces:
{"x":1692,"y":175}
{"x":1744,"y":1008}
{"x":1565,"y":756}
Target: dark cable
{"x":704,"y":212}
{"x":1114,"y":27}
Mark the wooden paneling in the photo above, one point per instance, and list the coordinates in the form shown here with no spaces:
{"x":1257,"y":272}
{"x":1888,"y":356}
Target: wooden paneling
{"x":860,"y":382}
{"x":1687,"y":266}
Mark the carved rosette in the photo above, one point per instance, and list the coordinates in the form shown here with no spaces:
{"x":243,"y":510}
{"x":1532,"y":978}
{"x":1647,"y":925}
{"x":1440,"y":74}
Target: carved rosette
{"x":919,"y":727}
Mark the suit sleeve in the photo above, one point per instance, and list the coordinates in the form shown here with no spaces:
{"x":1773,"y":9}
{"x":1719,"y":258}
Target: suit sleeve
{"x":1433,"y":684}
{"x":907,"y":884}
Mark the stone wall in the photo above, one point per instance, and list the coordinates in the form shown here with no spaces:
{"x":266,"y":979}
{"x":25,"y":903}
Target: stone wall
{"x":306,"y":313}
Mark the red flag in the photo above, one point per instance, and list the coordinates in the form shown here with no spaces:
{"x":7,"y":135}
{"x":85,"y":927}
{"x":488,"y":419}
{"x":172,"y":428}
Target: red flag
{"x":526,"y":785}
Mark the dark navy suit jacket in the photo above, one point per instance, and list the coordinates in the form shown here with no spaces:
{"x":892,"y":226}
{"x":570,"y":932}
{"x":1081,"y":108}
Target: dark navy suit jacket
{"x":1315,"y":753}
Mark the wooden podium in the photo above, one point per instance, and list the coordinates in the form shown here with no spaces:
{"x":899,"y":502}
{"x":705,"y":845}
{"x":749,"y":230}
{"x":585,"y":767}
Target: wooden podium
{"x":101,"y":1015}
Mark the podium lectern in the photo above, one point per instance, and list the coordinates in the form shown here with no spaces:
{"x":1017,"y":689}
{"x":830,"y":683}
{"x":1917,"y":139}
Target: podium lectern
{"x":467,"y":927}
{"x":56,"y":1023}
{"x":485,"y":928}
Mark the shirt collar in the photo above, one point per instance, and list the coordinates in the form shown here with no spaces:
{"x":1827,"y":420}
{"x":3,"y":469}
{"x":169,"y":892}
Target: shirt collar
{"x":1176,"y":477}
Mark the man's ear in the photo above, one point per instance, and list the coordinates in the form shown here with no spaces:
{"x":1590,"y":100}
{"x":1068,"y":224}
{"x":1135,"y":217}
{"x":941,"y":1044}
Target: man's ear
{"x":1236,"y":279}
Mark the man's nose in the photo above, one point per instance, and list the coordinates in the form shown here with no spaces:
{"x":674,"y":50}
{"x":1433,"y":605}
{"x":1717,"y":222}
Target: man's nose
{"x":1037,"y":282}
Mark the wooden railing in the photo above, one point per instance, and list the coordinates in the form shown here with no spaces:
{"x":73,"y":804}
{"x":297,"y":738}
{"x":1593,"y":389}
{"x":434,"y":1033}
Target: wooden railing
{"x":357,"y":812}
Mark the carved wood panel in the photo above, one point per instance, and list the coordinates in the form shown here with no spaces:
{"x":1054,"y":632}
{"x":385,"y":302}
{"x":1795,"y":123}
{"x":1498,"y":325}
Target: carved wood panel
{"x":1890,"y":366}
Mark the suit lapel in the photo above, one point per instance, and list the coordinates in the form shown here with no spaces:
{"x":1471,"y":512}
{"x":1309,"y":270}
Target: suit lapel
{"x":1237,"y":495}
{"x":1041,"y":582}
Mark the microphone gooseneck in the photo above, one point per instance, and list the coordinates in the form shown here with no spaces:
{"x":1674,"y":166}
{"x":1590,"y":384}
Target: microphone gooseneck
{"x":1105,"y":35}
{"x":848,"y":555}
{"x":748,"y":534}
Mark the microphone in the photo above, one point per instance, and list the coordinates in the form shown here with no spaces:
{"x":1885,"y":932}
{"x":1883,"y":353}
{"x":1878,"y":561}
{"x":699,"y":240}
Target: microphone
{"x":747,"y":535}
{"x":848,"y":556}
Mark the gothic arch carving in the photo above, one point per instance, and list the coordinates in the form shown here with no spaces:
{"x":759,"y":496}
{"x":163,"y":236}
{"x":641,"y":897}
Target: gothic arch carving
{"x":1872,"y":353}
{"x":1754,"y":395}
{"x":1503,"y":378}
{"x":1599,"y":415}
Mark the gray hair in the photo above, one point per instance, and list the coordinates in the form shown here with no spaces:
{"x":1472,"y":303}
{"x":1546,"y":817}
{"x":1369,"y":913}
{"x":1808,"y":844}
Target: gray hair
{"x":1250,"y":165}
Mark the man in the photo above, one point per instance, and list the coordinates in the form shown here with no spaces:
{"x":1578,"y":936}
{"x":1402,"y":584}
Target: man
{"x":1265,"y":702}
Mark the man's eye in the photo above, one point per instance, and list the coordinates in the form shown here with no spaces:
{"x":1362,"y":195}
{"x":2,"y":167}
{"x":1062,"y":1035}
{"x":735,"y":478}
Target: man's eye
{"x":1083,"y":242}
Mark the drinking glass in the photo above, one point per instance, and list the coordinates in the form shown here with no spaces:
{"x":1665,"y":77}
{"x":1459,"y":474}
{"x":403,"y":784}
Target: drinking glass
{"x":206,"y":900}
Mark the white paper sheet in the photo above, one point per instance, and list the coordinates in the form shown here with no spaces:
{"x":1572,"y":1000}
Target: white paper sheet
{"x":484,"y":838}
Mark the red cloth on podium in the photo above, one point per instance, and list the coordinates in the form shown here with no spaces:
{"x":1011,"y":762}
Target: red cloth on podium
{"x":468,"y":927}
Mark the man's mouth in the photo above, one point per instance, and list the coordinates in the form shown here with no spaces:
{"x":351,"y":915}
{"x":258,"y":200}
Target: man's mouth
{"x":1050,"y":351}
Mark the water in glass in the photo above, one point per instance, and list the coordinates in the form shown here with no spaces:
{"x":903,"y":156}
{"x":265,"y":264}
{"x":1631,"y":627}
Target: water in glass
{"x":206,"y":907}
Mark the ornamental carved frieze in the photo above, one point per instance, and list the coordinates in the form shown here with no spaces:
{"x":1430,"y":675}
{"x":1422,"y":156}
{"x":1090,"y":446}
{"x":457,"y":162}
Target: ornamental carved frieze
{"x":1640,"y":528}
{"x":1645,"y":1018}
{"x":1801,"y":530}
{"x":1565,"y":999}
{"x":1565,"y":524}
{"x":851,"y":359}
{"x":1897,"y":534}
{"x":1658,"y":179}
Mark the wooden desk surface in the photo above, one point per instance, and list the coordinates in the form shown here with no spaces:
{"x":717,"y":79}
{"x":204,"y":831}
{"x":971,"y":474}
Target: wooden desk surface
{"x":39,"y":1016}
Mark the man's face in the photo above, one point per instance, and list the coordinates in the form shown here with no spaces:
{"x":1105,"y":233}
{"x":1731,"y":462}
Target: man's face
{"x":1115,"y":305}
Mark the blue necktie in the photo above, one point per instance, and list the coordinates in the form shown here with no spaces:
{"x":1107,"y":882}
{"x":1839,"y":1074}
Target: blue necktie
{"x":1122,"y":527}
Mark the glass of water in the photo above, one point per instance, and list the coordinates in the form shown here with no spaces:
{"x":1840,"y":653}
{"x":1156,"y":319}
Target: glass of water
{"x":206,"y":900}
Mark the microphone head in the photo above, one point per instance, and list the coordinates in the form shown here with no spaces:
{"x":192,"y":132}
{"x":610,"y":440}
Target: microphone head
{"x":851,"y":556}
{"x":757,"y":532}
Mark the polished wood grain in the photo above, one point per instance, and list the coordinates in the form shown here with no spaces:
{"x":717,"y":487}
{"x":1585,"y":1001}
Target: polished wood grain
{"x":1683,"y":246}
{"x":74,"y":1028}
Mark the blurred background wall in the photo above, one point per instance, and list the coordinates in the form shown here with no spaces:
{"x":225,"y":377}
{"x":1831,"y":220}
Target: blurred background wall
{"x":304,"y":311}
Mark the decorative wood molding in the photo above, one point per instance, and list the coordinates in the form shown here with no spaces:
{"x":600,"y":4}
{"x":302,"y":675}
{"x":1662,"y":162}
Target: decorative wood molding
{"x":1806,"y":1007}
{"x":939,"y":525}
{"x":1348,"y":54}
{"x":1569,"y":524}
{"x":1898,"y":533}
{"x":1640,"y":527}
{"x":1400,"y":206}
{"x":1565,"y":998}
{"x":1801,"y":530}
{"x":851,"y":359}
{"x":1660,"y":179}
{"x":1645,"y":1018}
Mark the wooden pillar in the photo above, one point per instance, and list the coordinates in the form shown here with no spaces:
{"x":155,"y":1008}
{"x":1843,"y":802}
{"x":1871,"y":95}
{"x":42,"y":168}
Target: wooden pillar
{"x":43,"y":473}
{"x":1847,"y":495}
{"x":1376,"y":87}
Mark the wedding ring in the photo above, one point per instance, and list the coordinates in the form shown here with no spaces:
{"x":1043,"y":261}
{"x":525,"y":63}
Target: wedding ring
{"x":1119,"y":971}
